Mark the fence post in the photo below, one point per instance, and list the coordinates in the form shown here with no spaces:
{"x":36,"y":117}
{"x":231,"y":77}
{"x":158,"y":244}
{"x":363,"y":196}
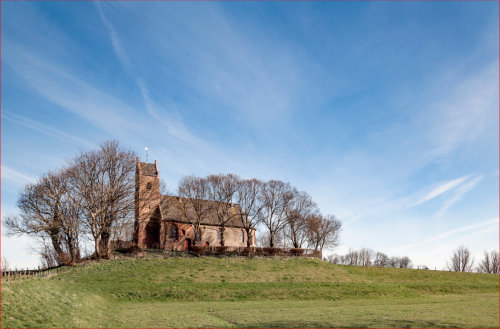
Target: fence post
{"x":8,"y":276}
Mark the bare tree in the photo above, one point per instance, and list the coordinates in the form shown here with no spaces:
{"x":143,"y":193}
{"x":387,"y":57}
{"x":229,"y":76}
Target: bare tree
{"x":48,"y":256}
{"x":122,"y":230}
{"x":102,"y":186}
{"x":494,"y":262}
{"x":381,"y":260}
{"x":221,"y":193}
{"x":192,"y":203}
{"x":324,"y":232}
{"x":46,"y":210}
{"x":276,"y":197}
{"x":365,"y":257}
{"x":264,"y":240}
{"x":298,"y":214}
{"x":489,"y":264}
{"x":461,"y":261}
{"x":395,"y":262}
{"x":250,"y":204}
{"x":405,"y":262}
{"x":5,"y":264}
{"x":352,"y":257}
{"x":336,"y":259}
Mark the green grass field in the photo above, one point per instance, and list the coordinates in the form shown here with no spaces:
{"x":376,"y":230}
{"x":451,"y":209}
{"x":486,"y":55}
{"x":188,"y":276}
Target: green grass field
{"x":237,"y":292}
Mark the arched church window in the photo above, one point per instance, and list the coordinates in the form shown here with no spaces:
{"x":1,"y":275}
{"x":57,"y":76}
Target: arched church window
{"x":172,"y":232}
{"x":149,"y":186}
{"x":242,"y":236}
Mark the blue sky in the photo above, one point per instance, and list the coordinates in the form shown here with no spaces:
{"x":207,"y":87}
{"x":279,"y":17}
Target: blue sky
{"x":385,"y":112}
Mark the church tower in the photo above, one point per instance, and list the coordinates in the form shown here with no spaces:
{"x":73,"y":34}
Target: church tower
{"x":147,"y":205}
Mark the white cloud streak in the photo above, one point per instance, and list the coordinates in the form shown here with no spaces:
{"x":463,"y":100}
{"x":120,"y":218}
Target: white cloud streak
{"x":16,"y":175}
{"x":446,"y":234}
{"x":441,"y":189}
{"x":49,"y":131}
{"x":118,"y":47}
{"x":459,"y":193}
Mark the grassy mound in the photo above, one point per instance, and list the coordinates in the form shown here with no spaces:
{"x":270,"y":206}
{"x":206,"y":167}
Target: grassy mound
{"x":97,"y":294}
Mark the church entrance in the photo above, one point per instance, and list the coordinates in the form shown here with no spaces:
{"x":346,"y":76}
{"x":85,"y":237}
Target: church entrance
{"x":187,"y":244}
{"x":152,"y":234}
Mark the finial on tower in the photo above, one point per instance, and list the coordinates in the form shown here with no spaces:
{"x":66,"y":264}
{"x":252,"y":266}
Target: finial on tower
{"x":146,"y":154}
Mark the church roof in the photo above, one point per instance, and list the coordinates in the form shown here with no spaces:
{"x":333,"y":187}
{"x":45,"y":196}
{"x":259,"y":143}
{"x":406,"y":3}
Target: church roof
{"x":148,"y":169}
{"x":170,"y":212}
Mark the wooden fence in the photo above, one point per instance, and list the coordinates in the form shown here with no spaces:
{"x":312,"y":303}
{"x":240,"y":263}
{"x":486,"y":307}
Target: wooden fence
{"x":30,"y":274}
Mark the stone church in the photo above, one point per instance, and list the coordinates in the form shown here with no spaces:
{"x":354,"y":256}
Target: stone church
{"x":158,"y":223}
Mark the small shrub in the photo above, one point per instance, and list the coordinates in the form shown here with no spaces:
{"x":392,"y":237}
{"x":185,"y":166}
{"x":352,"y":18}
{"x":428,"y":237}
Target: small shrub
{"x":271,"y":251}
{"x":221,"y":250}
{"x":246,"y":251}
{"x":197,"y":249}
{"x":297,"y":251}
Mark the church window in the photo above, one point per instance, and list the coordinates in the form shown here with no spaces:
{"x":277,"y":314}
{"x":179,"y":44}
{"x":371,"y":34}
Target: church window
{"x":149,"y":186}
{"x":183,"y":232}
{"x":242,"y":238}
{"x":172,"y":232}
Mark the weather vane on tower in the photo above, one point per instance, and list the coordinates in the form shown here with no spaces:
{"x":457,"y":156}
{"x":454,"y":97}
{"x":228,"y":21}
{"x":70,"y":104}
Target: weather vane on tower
{"x":146,"y":154}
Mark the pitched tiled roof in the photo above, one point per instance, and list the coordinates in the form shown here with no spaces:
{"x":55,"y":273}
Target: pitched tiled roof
{"x":171,"y":212}
{"x":148,"y":169}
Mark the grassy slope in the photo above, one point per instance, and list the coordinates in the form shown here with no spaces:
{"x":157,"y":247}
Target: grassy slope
{"x":107,"y":294}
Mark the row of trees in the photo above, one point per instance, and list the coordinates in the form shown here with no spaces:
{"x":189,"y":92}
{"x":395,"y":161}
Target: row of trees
{"x":463,"y":261}
{"x":368,"y":257}
{"x":92,"y":198}
{"x":286,"y":216}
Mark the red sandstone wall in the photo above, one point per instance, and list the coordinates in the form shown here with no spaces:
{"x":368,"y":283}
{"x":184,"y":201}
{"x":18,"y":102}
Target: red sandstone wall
{"x":208,"y":235}
{"x":147,"y":212}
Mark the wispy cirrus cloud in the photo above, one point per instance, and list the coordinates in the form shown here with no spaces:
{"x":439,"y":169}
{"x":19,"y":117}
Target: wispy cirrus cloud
{"x":493,"y":221}
{"x":441,"y":189}
{"x":169,"y":119}
{"x":44,"y":129}
{"x":118,"y":47}
{"x":15,"y":175}
{"x":459,"y":193}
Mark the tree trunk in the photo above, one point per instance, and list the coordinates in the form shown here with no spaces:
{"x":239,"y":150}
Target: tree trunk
{"x":197,"y":230}
{"x":56,"y":243}
{"x":249,"y":237}
{"x":72,"y":250}
{"x":106,"y":239}
{"x":222,"y":229}
{"x":97,"y":251}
